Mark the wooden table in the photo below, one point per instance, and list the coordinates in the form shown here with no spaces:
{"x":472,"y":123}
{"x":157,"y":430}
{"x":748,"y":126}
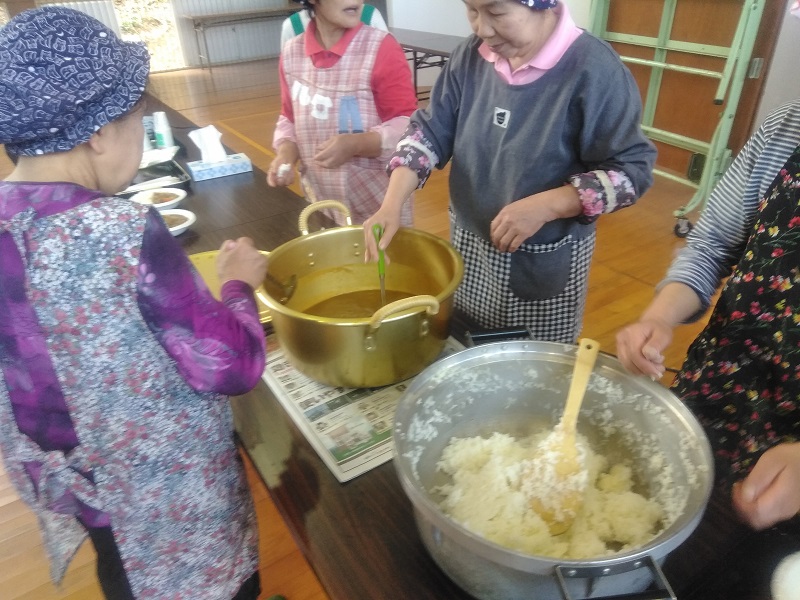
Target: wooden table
{"x":200,"y":23}
{"x":360,"y":537}
{"x":425,"y":50}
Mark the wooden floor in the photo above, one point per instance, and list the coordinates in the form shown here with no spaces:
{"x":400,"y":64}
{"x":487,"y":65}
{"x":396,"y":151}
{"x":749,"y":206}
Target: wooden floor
{"x":633,"y":250}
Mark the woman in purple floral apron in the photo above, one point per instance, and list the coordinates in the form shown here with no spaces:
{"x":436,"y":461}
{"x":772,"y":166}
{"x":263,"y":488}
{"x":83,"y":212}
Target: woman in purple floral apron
{"x":115,"y":359}
{"x":741,"y":376}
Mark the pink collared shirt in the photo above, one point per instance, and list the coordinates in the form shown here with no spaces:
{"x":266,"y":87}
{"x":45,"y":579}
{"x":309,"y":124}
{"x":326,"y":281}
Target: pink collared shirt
{"x":321,"y":56}
{"x":395,"y":97}
{"x":554,"y":48}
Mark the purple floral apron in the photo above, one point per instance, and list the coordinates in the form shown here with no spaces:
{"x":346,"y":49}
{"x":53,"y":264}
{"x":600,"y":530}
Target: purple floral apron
{"x":741,"y":376}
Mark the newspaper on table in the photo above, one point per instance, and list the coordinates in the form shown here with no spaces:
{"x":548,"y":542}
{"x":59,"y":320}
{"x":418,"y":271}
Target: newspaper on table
{"x":350,"y":428}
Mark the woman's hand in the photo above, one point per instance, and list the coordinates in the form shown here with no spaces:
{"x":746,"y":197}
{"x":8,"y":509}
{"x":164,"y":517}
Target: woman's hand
{"x":390,"y":222}
{"x":402,"y":183}
{"x":519,"y":220}
{"x":340,"y":148}
{"x":281,"y":169}
{"x":238,"y":260}
{"x":640,"y":347}
{"x":771,"y":492}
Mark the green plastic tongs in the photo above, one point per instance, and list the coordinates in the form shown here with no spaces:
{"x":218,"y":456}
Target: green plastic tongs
{"x":377,"y":231}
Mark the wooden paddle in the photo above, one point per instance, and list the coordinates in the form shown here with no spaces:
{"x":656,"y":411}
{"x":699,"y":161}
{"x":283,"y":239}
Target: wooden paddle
{"x":555,"y":479}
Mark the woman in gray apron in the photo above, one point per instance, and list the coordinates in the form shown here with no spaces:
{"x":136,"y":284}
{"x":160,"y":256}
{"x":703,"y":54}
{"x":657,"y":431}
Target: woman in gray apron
{"x":540,"y":123}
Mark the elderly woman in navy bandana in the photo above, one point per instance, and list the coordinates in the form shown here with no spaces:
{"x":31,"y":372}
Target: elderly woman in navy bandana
{"x":540,"y":121}
{"x":116,"y":360}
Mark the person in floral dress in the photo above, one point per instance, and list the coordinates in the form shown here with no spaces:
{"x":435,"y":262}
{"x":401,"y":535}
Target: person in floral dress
{"x":115,"y":359}
{"x":741,"y":375}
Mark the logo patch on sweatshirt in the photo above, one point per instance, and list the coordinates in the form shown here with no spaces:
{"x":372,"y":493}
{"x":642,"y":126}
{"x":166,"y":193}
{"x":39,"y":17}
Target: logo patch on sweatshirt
{"x":501,"y":117}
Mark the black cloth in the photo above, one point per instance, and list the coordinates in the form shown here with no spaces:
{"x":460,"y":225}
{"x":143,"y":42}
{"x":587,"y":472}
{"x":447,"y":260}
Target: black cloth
{"x":110,"y":570}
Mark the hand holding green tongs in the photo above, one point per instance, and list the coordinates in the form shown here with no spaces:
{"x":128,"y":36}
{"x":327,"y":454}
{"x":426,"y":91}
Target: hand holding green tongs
{"x":377,"y":231}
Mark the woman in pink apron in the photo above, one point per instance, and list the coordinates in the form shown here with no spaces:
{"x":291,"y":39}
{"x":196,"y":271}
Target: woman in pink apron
{"x":346,"y":96}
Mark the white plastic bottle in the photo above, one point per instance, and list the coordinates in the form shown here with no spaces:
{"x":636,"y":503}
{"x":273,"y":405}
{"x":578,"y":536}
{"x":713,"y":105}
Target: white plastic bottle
{"x":162,"y":130}
{"x":146,"y":143}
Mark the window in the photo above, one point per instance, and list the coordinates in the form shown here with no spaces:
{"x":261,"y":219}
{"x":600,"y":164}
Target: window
{"x":153,"y":22}
{"x":148,"y":21}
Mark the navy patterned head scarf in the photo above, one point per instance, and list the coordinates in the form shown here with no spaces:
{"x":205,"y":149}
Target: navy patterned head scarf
{"x":540,"y":4}
{"x":63,"y":76}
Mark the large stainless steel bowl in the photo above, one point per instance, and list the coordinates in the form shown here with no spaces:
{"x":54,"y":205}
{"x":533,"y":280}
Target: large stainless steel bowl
{"x":520,"y":388}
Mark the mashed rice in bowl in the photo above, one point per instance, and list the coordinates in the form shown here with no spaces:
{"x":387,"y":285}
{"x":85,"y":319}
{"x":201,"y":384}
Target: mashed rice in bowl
{"x":487,"y":495}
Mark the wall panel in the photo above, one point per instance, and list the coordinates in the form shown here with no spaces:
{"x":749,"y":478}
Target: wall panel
{"x":229,"y":43}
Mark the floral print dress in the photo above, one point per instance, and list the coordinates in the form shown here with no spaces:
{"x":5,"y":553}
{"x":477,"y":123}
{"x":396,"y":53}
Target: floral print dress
{"x":741,"y":376}
{"x":114,"y":364}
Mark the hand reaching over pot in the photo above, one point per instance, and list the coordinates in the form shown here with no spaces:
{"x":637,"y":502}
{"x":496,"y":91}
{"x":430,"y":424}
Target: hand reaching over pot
{"x":239,"y":260}
{"x":401,"y":185}
{"x":641,"y":345}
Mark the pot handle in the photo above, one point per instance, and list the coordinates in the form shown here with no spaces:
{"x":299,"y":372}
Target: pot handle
{"x":664,"y":591}
{"x":302,"y":220}
{"x":485,"y":336}
{"x":259,"y":295}
{"x":429,"y":302}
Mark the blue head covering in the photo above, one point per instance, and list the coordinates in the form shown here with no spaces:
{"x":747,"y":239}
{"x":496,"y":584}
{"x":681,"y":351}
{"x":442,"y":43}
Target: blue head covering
{"x":63,"y":76}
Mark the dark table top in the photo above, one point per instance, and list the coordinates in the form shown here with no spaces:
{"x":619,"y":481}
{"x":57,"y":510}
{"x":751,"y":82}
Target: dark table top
{"x":429,"y":43}
{"x":360,"y":537}
{"x":235,"y":205}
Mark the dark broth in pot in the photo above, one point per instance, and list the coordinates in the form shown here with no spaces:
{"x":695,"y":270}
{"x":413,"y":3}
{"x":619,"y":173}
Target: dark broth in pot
{"x":354,"y":305}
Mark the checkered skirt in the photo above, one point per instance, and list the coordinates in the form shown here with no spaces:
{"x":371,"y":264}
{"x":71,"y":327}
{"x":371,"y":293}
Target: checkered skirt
{"x":540,"y":286}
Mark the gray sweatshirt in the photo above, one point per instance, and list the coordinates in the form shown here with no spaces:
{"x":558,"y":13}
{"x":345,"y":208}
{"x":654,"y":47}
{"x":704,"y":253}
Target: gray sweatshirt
{"x":507,"y":142}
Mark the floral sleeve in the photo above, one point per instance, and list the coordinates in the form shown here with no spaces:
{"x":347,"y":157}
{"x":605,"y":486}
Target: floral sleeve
{"x":600,"y":191}
{"x":415,"y":152}
{"x":603,"y":192}
{"x":217,"y":346}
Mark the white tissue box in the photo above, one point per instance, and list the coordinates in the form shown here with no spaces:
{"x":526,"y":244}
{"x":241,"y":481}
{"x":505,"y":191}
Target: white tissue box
{"x":233,"y":164}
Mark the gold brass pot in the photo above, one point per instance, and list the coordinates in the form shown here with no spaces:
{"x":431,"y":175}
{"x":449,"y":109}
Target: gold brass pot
{"x":349,"y":347}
